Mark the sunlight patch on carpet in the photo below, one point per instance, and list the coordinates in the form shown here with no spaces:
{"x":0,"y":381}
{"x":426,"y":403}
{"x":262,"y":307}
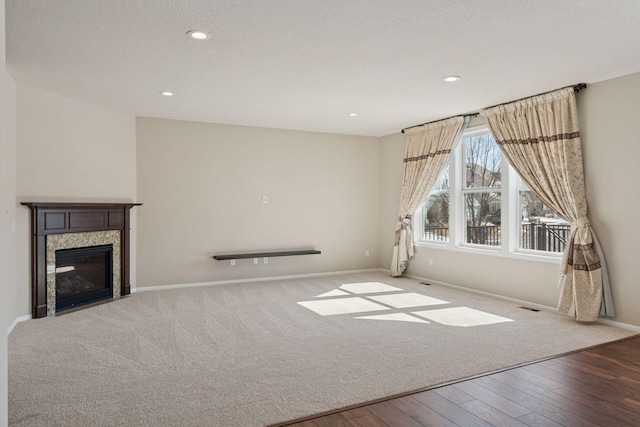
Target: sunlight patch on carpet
{"x":457,"y":316}
{"x":397,"y":317}
{"x":369,"y":288}
{"x":409,"y":299}
{"x":461,"y":316}
{"x":342,"y":306}
{"x":333,"y":293}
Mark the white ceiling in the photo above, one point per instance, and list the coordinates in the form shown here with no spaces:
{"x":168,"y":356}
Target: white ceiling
{"x":303,"y":64}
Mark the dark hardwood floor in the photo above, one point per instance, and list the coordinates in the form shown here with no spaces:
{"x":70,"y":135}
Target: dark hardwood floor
{"x":594,"y":387}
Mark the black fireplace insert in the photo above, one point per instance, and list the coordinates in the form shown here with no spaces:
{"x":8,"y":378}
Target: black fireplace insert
{"x":83,"y":276}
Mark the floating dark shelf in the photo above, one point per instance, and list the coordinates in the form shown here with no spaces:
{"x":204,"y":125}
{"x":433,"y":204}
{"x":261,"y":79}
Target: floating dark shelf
{"x":266,"y":254}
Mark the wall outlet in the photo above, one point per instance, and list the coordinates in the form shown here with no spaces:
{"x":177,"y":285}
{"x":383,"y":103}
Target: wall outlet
{"x":233,"y":262}
{"x":265,"y":199}
{"x":265,"y":260}
{"x":366,"y":253}
{"x":430,"y":261}
{"x":255,"y":260}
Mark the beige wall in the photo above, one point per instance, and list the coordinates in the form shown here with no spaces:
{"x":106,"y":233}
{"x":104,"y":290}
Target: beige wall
{"x":6,"y":291}
{"x":69,"y":151}
{"x":391,"y":154}
{"x":608,"y":111}
{"x":7,"y":214}
{"x":202,"y":187}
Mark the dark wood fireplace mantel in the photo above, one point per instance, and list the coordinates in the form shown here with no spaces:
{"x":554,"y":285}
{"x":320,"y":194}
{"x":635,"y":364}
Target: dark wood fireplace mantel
{"x":60,"y":218}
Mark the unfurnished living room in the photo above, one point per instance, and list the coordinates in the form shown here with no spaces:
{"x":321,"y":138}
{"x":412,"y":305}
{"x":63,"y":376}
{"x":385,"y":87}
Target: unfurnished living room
{"x":319,"y":213}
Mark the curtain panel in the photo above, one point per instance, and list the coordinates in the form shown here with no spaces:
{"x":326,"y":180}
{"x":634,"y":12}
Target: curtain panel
{"x":540,"y":138}
{"x":427,"y":150}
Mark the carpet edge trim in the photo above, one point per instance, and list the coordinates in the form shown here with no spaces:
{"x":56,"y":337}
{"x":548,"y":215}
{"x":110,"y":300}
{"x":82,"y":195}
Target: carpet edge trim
{"x":459,"y":380}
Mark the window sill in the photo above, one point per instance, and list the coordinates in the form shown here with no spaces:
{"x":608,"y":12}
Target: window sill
{"x":495,"y":252}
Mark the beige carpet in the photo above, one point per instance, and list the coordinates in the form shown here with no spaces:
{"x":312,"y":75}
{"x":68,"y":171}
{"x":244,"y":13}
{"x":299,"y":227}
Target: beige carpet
{"x":261,"y":353}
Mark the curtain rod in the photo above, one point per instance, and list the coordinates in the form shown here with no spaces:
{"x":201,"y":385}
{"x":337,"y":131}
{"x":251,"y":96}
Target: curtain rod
{"x":439,"y":120}
{"x":576,"y":88}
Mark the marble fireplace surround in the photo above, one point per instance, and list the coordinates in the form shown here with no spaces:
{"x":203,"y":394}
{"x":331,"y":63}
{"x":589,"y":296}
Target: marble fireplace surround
{"x":73,"y":225}
{"x":81,"y":240}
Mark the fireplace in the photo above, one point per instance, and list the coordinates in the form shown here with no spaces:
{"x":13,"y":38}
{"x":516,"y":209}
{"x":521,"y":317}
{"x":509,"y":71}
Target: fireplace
{"x":83,"y":276}
{"x":60,"y":234}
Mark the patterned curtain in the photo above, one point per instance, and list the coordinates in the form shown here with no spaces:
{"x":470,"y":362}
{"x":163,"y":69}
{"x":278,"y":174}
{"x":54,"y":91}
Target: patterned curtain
{"x":540,"y":138}
{"x":427,"y":150}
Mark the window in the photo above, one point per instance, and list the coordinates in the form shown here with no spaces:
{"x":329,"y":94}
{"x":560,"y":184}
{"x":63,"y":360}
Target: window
{"x":481,"y":193}
{"x":479,"y":202}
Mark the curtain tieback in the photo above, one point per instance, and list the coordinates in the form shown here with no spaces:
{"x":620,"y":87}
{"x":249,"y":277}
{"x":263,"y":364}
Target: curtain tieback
{"x":568,"y":251}
{"x":405,"y":220}
{"x":580,"y":222}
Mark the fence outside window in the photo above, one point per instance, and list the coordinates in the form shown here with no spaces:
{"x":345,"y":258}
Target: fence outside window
{"x":545,"y":237}
{"x":436,"y":233}
{"x":537,"y":237}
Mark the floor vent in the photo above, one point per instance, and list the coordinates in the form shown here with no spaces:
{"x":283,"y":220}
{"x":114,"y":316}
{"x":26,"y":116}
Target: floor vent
{"x":529,"y":308}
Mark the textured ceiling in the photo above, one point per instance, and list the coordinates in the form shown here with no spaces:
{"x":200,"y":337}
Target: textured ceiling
{"x":302,"y":64}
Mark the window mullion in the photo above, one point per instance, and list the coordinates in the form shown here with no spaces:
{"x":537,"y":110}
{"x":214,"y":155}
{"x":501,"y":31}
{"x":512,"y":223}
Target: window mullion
{"x":509,"y":208}
{"x":456,"y":216}
{"x":418,"y":224}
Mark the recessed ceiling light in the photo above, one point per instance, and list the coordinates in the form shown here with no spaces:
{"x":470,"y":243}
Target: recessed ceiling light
{"x":199,"y":35}
{"x":352,"y":114}
{"x":166,"y":93}
{"x":451,"y":79}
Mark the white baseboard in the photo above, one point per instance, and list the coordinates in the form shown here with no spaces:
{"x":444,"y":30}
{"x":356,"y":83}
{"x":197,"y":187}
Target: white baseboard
{"x":619,"y":324}
{"x":18,"y":320}
{"x":257,"y":279}
{"x":524,"y":303}
{"x":488,"y":294}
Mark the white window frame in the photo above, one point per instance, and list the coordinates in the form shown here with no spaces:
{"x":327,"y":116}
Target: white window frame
{"x":510,"y":213}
